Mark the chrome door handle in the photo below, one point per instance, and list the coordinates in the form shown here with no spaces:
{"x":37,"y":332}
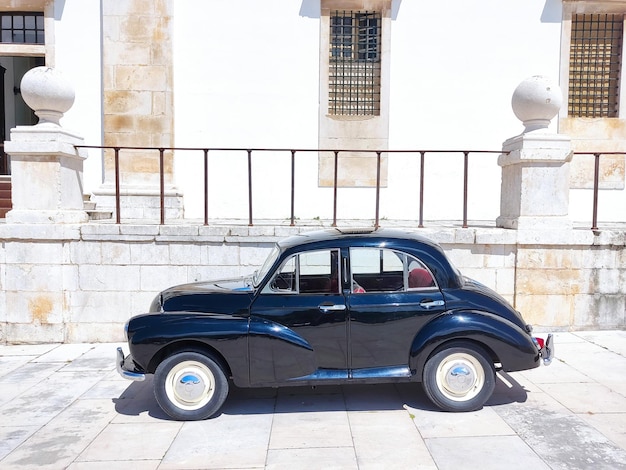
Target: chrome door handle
{"x":432,"y":303}
{"x":332,"y":307}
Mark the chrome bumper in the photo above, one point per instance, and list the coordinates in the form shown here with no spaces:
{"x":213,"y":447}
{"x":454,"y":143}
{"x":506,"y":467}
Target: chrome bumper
{"x":127,"y":374}
{"x":547,"y":352}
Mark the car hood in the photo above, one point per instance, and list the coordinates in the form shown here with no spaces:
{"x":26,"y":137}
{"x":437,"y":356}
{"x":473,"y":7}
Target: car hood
{"x":218,"y":296}
{"x":241,"y":284}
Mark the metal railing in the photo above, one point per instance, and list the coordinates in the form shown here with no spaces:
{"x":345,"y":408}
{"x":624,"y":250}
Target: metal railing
{"x":336,"y":154}
{"x":596,"y":182}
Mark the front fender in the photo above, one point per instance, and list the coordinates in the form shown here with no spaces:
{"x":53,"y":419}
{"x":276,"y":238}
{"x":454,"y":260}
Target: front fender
{"x":508,"y":343}
{"x":150,"y":336}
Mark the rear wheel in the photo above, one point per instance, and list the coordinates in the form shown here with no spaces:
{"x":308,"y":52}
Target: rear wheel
{"x":190,"y":386}
{"x":459,"y":377}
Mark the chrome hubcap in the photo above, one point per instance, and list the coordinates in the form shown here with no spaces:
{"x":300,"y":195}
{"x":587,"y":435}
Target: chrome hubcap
{"x":190,"y":385}
{"x":460,"y":377}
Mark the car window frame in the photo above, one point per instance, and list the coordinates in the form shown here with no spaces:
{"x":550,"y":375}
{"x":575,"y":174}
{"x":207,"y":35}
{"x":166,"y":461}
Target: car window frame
{"x":268,"y":289}
{"x":404,"y":257}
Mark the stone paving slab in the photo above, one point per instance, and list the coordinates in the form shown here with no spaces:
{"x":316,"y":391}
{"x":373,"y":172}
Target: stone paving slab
{"x":64,"y":406}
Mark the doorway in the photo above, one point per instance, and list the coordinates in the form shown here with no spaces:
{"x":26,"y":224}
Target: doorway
{"x":15,"y":112}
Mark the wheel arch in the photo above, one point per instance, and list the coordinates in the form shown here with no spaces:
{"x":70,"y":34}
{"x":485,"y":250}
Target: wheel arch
{"x":188,"y":346}
{"x":461,"y":342}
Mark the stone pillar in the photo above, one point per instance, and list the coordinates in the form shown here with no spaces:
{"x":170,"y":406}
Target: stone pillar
{"x":47,"y":170}
{"x":138,"y":108}
{"x":535,"y":164}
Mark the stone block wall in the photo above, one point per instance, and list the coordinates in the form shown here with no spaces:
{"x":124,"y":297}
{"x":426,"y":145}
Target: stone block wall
{"x":80,"y":283}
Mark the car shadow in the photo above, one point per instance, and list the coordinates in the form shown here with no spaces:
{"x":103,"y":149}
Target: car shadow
{"x":507,"y":391}
{"x":138,"y":398}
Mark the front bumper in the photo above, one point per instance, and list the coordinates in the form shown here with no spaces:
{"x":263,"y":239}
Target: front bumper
{"x":546,"y":349}
{"x":126,"y":368}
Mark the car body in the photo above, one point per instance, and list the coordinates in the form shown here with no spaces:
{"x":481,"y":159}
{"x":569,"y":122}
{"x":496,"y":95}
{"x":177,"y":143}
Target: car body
{"x":327,"y":307}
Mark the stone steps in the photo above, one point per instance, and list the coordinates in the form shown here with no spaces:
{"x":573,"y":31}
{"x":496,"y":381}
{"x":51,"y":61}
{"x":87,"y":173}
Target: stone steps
{"x":93,"y":212}
{"x":5,"y":197}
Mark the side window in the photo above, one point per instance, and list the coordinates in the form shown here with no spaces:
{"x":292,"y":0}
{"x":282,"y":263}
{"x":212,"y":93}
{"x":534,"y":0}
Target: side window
{"x":381,"y":270}
{"x":418,"y":276}
{"x":285,"y":279}
{"x":376,"y":270}
{"x":311,"y":272}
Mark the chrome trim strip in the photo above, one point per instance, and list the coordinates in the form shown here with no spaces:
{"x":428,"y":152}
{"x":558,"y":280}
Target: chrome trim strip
{"x":382,"y":372}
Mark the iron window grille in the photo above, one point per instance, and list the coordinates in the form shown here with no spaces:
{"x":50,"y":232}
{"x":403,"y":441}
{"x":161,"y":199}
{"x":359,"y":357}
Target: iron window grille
{"x":354,"y":75}
{"x":595,"y":65}
{"x":22,"y":28}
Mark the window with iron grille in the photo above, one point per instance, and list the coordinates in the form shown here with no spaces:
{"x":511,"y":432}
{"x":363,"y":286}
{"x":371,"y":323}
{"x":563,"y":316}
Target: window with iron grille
{"x":595,"y":65}
{"x":354,"y":75}
{"x":21,"y":28}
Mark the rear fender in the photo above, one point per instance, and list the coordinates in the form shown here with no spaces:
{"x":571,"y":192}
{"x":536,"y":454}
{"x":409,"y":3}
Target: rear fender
{"x":509,"y":345}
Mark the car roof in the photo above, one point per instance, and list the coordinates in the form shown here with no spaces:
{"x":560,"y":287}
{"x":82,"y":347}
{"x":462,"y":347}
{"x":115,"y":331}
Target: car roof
{"x":346,"y":235}
{"x":428,"y":251}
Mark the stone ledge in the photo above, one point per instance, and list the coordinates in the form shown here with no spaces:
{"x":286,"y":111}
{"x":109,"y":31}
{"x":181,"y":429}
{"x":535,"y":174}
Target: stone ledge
{"x":21,"y":232}
{"x":445,"y":233}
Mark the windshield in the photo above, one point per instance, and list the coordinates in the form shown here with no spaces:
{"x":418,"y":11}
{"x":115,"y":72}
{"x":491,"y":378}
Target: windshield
{"x":269,"y":262}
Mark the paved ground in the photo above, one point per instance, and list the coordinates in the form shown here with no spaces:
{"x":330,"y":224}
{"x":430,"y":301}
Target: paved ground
{"x":64,"y":406}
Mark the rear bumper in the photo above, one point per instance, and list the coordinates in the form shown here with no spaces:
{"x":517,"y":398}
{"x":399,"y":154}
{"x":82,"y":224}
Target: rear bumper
{"x":126,"y":368}
{"x":546,"y":349}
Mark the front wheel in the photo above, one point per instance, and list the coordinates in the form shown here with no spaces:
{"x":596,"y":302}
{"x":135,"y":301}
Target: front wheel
{"x":459,"y":377}
{"x":190,"y":386}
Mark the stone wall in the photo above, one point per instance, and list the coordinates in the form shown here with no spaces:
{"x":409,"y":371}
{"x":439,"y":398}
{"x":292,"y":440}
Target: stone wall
{"x":80,"y":283}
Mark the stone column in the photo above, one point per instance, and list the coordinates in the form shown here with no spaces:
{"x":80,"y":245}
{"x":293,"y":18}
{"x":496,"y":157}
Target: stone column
{"x":47,"y":170}
{"x":138,"y":110}
{"x":535,"y":164}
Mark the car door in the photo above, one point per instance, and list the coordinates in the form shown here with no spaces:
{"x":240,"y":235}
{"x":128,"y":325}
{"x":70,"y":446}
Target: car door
{"x":393,"y":295}
{"x":299,"y":321}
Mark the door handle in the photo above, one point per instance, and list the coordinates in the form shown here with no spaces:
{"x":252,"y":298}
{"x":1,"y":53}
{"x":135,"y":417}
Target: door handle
{"x":332,"y":307}
{"x":427,"y":303}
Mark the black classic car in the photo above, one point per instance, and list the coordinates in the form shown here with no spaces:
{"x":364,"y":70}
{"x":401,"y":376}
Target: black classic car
{"x":331,"y":307}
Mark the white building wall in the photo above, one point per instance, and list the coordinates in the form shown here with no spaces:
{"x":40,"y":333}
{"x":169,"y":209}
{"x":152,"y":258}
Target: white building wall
{"x":78,"y":54}
{"x":251,"y":80}
{"x":246,"y":75}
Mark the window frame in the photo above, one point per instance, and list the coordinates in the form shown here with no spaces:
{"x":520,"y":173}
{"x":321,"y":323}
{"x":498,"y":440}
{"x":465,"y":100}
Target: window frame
{"x":354,"y":82}
{"x":39,"y":30}
{"x":571,"y":8}
{"x":270,"y":289}
{"x":406,"y":259}
{"x":595,"y":65}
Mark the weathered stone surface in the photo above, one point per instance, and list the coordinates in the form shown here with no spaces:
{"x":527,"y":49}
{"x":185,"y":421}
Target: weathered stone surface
{"x":81,"y":283}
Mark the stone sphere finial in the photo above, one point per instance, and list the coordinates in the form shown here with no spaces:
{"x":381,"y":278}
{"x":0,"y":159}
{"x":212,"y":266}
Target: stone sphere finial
{"x":47,"y":92}
{"x":536,"y":101}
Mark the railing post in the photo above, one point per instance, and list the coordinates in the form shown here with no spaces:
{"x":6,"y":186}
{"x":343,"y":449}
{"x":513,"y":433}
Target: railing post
{"x":335,"y":189}
{"x":421,"y":203}
{"x":162,"y":184}
{"x":465,"y":173}
{"x":118,"y":203}
{"x":206,"y":186}
{"x":293,"y":186}
{"x":596,"y":184}
{"x":249,"y":187}
{"x":376,"y":224}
